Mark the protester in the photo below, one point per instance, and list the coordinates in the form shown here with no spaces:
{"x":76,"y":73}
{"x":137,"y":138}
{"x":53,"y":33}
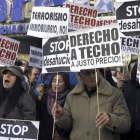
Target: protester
{"x":106,"y":73}
{"x":118,"y":75}
{"x":132,"y":96}
{"x":33,"y":74}
{"x":14,"y":102}
{"x":80,"y":110}
{"x":121,"y":83}
{"x":45,"y":78}
{"x":25,"y":64}
{"x":25,"y":83}
{"x":45,"y":105}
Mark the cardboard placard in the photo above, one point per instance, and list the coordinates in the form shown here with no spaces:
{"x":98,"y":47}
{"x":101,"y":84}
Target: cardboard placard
{"x":56,"y":56}
{"x":35,"y":57}
{"x":48,"y":22}
{"x":128,"y":17}
{"x":81,"y":16}
{"x":8,"y":50}
{"x":95,"y":48}
{"x":18,"y":130}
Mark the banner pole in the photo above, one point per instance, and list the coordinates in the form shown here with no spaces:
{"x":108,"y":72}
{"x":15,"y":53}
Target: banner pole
{"x":98,"y":101}
{"x":104,"y":74}
{"x":55,"y":107}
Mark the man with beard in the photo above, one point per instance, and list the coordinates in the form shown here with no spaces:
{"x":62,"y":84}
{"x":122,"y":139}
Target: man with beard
{"x":33,"y":75}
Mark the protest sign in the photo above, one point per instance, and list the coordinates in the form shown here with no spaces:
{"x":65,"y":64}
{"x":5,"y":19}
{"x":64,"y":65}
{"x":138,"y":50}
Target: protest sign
{"x":128,"y":17}
{"x":19,"y":130}
{"x":138,"y":68}
{"x":81,"y":17}
{"x":105,"y":21}
{"x":129,"y":45}
{"x":8,"y":50}
{"x":95,"y":48}
{"x":48,"y":22}
{"x":126,"y":58}
{"x":35,"y":57}
{"x":104,"y":6}
{"x":56,"y":55}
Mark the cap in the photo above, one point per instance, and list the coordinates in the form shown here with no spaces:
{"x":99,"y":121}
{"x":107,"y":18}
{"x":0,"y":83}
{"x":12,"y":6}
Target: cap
{"x":14,"y":69}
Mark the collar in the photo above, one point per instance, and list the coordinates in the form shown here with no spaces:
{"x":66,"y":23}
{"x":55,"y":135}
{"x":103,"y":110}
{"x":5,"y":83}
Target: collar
{"x":104,"y":87}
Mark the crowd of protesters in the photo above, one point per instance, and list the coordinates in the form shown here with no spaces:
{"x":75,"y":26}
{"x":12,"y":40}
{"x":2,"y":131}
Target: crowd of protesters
{"x":30,"y":95}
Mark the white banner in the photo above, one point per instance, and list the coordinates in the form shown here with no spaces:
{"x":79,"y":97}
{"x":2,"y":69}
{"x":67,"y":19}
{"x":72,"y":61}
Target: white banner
{"x":35,"y":57}
{"x":8,"y":50}
{"x":130,"y":45}
{"x":48,"y":22}
{"x":81,"y":17}
{"x":105,"y":21}
{"x":95,"y":48}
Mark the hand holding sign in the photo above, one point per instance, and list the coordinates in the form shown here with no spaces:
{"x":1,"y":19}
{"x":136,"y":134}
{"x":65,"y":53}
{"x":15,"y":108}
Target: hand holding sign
{"x":102,"y":119}
{"x":57,"y":110}
{"x":40,"y":91}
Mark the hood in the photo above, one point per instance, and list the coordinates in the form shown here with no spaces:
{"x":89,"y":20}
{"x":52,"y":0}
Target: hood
{"x":104,"y":87}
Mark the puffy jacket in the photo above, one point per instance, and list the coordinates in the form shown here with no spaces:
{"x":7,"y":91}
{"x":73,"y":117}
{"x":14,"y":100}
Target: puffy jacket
{"x":80,"y":113}
{"x":25,"y":109}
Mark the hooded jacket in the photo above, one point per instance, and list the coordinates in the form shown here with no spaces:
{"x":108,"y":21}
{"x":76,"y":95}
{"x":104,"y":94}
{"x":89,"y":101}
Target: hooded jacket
{"x":132,"y":97}
{"x":80,"y":113}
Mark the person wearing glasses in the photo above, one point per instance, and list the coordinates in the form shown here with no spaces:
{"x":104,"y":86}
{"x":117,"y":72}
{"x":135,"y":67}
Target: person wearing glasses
{"x":45,"y":103}
{"x":80,"y":112}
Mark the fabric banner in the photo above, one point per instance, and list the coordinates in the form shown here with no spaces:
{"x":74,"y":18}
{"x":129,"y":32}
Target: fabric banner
{"x":128,"y":17}
{"x":8,"y":50}
{"x":48,"y":22}
{"x":35,"y":57}
{"x":81,"y":16}
{"x":18,"y":130}
{"x":95,"y":48}
{"x":56,"y":55}
{"x":105,"y":21}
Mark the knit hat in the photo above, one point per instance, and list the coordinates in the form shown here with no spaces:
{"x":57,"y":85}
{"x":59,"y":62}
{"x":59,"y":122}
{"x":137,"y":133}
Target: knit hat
{"x":14,"y":69}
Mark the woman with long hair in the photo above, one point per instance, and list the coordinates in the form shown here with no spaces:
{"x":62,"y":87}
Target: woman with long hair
{"x":44,"y":106}
{"x":14,"y":102}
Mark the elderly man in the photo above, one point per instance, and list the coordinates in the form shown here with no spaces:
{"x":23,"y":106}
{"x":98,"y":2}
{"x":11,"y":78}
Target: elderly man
{"x":80,"y":110}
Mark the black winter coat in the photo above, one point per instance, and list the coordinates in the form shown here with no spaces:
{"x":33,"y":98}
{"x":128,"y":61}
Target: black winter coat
{"x":132,"y":97}
{"x":46,"y":121}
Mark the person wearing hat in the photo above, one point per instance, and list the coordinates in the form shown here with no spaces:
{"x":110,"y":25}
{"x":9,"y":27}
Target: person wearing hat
{"x":15,"y":103}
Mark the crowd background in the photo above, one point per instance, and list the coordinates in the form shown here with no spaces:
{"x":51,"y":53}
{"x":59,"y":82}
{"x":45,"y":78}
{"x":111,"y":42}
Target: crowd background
{"x":32,"y":95}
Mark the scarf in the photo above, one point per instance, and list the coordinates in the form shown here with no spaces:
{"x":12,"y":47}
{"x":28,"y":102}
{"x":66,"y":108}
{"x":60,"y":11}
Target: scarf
{"x":61,"y":97}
